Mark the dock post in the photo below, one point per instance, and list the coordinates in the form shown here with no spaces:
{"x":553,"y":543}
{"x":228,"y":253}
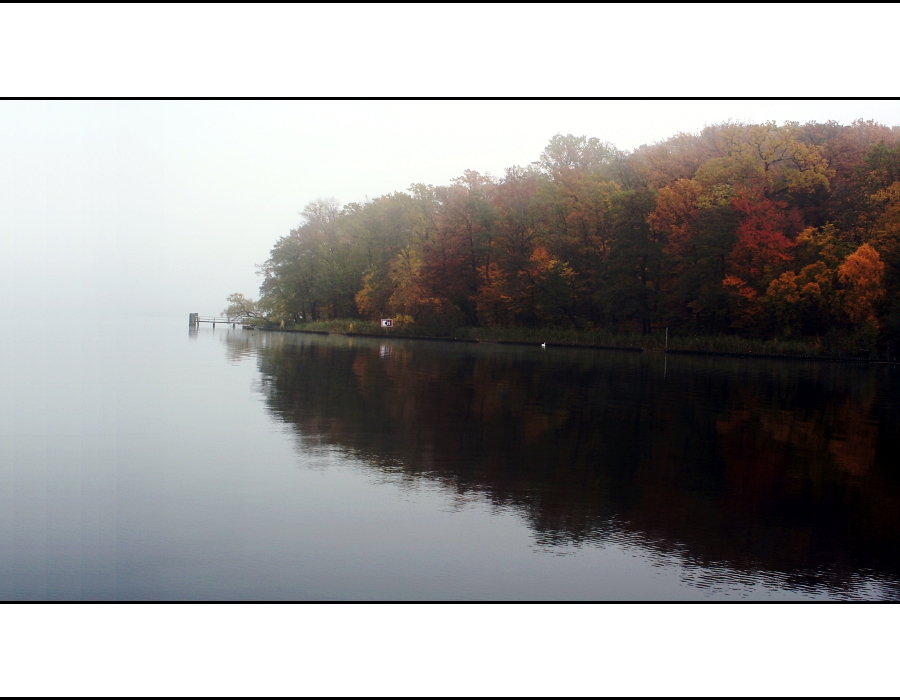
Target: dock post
{"x":193,"y":319}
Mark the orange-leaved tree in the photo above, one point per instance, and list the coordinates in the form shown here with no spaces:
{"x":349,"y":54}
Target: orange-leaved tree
{"x":675,"y":214}
{"x":801,"y":302}
{"x":545,"y":290}
{"x":743,"y":301}
{"x":861,"y":276}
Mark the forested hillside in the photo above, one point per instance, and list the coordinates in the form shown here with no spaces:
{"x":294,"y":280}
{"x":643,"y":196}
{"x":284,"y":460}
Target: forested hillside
{"x":756,"y":230}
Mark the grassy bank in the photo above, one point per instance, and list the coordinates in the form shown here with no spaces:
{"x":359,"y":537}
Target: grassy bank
{"x":832,"y":348}
{"x":561,"y":336}
{"x":732,"y":345}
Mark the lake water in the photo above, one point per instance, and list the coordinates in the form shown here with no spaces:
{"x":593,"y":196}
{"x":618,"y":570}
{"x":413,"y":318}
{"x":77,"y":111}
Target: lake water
{"x":148,"y":461}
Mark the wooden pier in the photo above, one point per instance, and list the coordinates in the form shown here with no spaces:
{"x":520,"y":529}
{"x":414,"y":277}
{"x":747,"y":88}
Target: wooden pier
{"x":197,"y":319}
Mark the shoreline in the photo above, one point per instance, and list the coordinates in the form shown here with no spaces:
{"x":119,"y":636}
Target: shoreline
{"x":575,"y":346}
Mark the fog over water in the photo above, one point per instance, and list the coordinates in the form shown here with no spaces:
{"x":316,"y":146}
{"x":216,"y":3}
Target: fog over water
{"x":162,"y":208}
{"x":166,"y":463}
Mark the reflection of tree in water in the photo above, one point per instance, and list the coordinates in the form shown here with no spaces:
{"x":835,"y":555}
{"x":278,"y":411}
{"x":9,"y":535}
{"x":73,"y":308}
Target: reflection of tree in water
{"x":777,"y":469}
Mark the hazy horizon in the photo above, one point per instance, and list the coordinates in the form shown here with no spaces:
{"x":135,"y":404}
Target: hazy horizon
{"x":160,"y":208}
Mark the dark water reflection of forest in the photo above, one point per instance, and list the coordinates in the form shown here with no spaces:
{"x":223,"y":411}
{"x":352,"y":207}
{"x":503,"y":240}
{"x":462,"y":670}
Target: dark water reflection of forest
{"x":779,"y":471}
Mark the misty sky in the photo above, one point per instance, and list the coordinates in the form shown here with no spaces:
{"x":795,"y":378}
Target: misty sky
{"x":164,"y":208}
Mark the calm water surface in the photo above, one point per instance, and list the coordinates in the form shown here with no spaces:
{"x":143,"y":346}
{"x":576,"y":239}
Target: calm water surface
{"x":143,"y":461}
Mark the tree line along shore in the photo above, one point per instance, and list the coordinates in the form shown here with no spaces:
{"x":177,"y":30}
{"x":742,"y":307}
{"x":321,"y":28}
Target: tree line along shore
{"x":743,"y":238}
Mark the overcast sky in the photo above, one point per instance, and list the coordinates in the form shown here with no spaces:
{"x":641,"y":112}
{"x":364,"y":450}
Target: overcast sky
{"x":164,"y":208}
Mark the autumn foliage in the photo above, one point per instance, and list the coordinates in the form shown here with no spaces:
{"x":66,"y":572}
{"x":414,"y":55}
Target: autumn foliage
{"x":861,"y":276}
{"x":751,"y":229}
